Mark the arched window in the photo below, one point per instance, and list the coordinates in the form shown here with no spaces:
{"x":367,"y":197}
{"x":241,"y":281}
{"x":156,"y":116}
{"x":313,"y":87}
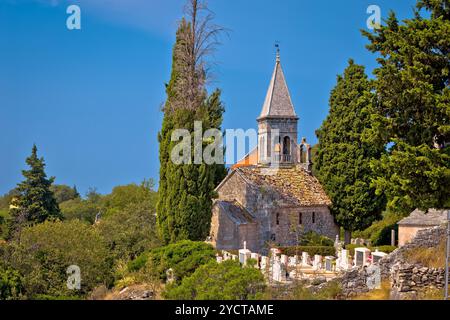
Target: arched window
{"x":313,"y":217}
{"x":300,"y":218}
{"x":286,"y":146}
{"x":278,"y":218}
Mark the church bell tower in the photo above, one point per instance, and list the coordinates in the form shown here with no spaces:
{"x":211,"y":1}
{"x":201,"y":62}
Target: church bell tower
{"x":277,"y":123}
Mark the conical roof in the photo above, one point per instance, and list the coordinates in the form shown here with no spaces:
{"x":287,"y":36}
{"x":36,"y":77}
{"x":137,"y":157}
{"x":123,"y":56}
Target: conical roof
{"x":278,"y":103}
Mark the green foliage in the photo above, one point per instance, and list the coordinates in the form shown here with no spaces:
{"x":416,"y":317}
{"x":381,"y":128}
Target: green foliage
{"x":131,"y":231}
{"x":312,"y":238}
{"x":64,"y":193}
{"x":45,"y":251}
{"x":343,"y":156}
{"x":182,"y":257}
{"x":10,"y":284}
{"x":312,"y":250}
{"x":413,"y":108}
{"x":414,"y":177}
{"x":138,"y":263}
{"x":83,"y":210}
{"x":124,"y":197}
{"x":36,"y":202}
{"x":379,"y":233}
{"x":219,"y":281}
{"x":186,"y":190}
{"x":4,"y":219}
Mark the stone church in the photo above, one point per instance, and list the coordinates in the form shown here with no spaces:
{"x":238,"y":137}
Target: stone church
{"x":271,"y":196}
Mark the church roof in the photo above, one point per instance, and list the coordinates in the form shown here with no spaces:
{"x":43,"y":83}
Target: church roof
{"x":293,"y":183}
{"x":236,"y":211}
{"x":432,"y":218}
{"x":278,"y":101}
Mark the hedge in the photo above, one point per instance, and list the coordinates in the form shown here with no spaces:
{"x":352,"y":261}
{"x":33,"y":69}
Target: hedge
{"x":385,"y":249}
{"x":312,"y":250}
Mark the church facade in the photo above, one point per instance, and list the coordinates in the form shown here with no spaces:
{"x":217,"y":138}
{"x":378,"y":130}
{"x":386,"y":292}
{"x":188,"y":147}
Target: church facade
{"x":271,"y":196}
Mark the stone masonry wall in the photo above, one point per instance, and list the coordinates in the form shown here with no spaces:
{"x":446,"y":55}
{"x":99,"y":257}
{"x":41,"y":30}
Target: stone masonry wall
{"x":406,"y":279}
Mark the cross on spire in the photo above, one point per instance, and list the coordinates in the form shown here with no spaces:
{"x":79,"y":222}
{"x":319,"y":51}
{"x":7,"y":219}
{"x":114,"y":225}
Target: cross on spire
{"x":277,"y":45}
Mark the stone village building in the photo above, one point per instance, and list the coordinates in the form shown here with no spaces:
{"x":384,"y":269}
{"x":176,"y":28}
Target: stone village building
{"x":418,"y":220}
{"x":271,"y":196}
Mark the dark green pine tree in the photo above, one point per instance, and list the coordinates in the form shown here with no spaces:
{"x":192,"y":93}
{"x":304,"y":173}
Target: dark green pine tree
{"x":343,"y":158}
{"x":413,"y":108}
{"x":186,"y":190}
{"x":36,"y":202}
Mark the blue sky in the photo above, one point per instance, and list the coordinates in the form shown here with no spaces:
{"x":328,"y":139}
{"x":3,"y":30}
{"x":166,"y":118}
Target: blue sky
{"x":90,"y":99}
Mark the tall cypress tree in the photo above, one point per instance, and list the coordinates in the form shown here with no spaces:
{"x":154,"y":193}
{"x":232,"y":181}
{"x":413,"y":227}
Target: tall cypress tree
{"x":36,"y":202}
{"x":343,"y":156}
{"x":413,"y":108}
{"x":186,"y":190}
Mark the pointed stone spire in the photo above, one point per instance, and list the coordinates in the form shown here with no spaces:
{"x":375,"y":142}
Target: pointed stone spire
{"x":278,"y":103}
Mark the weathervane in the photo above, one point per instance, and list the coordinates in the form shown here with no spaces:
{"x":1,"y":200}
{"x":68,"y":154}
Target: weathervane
{"x":277,"y":45}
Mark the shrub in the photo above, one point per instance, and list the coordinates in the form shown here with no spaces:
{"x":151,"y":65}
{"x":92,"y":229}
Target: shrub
{"x":10,"y":284}
{"x":45,"y":251}
{"x":379,"y":232}
{"x":351,"y":248}
{"x":219,"y":281}
{"x":182,"y":257}
{"x":80,"y":209}
{"x":312,"y":250}
{"x":312,"y":238}
{"x":129,"y":232}
{"x":385,"y":249}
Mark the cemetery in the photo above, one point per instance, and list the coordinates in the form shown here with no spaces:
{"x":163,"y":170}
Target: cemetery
{"x":280,"y":268}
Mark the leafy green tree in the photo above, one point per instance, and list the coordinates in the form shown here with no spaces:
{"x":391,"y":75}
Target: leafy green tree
{"x":219,"y":281}
{"x":130,"y":232}
{"x":343,"y":156}
{"x":64,"y":193}
{"x":36,"y":202}
{"x":83,"y":210}
{"x":183,"y":258}
{"x":413,"y":107}
{"x":45,"y":251}
{"x":186,"y":190}
{"x":122,"y":197}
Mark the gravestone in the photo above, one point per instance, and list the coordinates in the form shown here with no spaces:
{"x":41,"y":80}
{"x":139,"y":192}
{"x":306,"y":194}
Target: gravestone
{"x":255,"y":256}
{"x":264,"y":263}
{"x":317,"y":264}
{"x":329,"y":263}
{"x":219,"y":259}
{"x":284,"y":259}
{"x":377,"y":256}
{"x":305,"y":259}
{"x":278,"y":271}
{"x":292,"y":261}
{"x":244,"y":254}
{"x":362,"y":256}
{"x":344,"y":260}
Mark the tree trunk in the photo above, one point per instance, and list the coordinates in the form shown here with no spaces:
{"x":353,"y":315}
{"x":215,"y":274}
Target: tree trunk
{"x":347,"y":236}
